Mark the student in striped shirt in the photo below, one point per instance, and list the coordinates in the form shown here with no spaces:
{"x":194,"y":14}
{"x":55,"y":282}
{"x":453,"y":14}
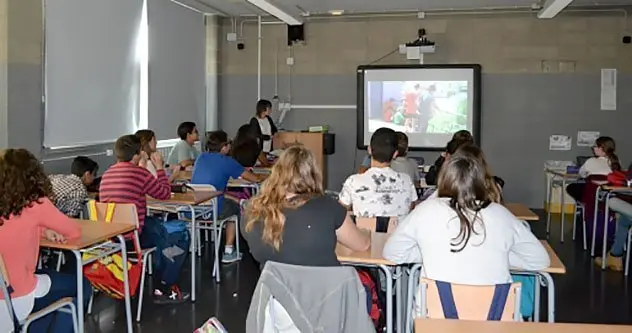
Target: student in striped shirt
{"x":127,"y":182}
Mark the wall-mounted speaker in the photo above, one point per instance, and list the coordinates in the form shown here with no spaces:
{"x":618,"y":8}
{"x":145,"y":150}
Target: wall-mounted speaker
{"x":295,"y":34}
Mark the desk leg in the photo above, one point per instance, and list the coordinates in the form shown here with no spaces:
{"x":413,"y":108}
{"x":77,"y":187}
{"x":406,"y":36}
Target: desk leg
{"x":80,"y":309}
{"x":389,"y":298}
{"x":536,"y":299}
{"x":128,"y":301}
{"x":562,"y":208}
{"x":594,"y":233}
{"x":194,"y":230}
{"x":218,"y":233}
{"x":398,"y":294}
{"x":605,"y":232}
{"x":412,"y":291}
{"x":550,"y":285}
{"x":549,"y":196}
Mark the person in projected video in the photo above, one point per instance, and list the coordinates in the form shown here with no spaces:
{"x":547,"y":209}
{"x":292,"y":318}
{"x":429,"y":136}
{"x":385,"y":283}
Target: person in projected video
{"x":426,"y":108}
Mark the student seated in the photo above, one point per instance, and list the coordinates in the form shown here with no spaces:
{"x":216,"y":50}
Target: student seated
{"x":184,"y":154}
{"x":127,"y":182}
{"x":604,"y":162}
{"x":245,"y":148}
{"x":70,"y":190}
{"x":215,"y":167}
{"x":380,"y":191}
{"x":26,"y":215}
{"x":458,"y":139}
{"x":292,"y":221}
{"x":463,"y":236}
{"x":403,"y":164}
{"x":148,"y":146}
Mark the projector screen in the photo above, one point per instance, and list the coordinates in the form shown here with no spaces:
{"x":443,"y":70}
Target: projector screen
{"x":427,"y":102}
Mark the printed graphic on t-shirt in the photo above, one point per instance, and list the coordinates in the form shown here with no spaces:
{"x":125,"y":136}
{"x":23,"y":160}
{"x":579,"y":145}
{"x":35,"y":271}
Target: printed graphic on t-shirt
{"x":379,"y":192}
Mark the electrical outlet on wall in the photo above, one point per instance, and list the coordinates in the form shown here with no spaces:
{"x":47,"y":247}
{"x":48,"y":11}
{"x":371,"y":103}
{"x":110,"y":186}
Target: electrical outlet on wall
{"x":289,"y":61}
{"x":231,"y":37}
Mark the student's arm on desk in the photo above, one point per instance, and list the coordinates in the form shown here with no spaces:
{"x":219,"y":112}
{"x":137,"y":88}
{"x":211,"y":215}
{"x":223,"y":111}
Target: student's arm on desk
{"x":527,"y":251}
{"x":252,"y":177}
{"x":157,"y":187}
{"x":402,"y":246}
{"x":52,"y":219}
{"x":351,"y":236}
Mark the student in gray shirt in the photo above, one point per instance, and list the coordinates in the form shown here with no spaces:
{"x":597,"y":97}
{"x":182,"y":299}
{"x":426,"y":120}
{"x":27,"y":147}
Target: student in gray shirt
{"x":184,"y":153}
{"x":403,"y":164}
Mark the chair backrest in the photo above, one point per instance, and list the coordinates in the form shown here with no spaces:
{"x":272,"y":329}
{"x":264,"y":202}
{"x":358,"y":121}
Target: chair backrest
{"x":123,"y":212}
{"x":471,"y":302}
{"x":377,"y":224}
{"x":6,"y":296}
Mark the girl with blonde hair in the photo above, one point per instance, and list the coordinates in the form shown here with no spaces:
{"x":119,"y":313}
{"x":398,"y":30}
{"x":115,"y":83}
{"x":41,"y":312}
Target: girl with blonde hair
{"x":292,"y":221}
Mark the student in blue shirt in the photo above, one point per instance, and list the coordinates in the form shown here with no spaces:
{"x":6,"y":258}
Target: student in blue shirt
{"x":215,"y":167}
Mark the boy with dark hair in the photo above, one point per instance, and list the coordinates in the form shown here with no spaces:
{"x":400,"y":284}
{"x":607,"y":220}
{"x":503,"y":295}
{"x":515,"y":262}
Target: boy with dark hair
{"x":403,"y":164}
{"x":184,"y":153}
{"x":126,"y":182}
{"x":380,"y":191}
{"x":215,"y":167}
{"x":70,"y":190}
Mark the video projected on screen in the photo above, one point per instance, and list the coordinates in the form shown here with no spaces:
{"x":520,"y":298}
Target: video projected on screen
{"x":428,"y":103}
{"x":418,"y":106}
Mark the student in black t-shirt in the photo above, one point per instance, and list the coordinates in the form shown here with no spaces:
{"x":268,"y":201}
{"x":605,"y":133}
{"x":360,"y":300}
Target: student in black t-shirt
{"x":292,"y":221}
{"x":245,"y":148}
{"x":458,"y":139}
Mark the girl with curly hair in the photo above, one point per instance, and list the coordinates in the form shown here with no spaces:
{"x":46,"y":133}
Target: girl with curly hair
{"x":26,"y":215}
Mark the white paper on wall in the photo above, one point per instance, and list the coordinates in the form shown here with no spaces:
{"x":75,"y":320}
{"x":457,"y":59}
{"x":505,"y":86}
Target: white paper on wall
{"x":608,"y":89}
{"x":560,"y":142}
{"x":586,"y":138}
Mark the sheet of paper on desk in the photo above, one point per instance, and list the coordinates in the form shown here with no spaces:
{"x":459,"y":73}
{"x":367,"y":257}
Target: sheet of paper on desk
{"x":586,"y":138}
{"x":608,"y":89}
{"x":560,"y":142}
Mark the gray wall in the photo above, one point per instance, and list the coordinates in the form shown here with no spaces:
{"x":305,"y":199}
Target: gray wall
{"x":540,"y":77}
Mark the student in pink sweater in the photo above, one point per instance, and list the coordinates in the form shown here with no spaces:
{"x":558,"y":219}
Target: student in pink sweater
{"x":27,"y":214}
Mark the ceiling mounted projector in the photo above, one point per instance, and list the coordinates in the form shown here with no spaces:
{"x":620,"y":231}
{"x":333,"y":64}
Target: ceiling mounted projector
{"x":277,"y":12}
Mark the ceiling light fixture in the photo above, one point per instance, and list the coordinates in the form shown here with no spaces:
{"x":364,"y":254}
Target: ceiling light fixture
{"x":277,"y":12}
{"x":553,"y":7}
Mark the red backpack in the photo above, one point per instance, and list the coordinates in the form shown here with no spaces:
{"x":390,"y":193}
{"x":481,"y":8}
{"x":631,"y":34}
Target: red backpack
{"x":369,"y":285}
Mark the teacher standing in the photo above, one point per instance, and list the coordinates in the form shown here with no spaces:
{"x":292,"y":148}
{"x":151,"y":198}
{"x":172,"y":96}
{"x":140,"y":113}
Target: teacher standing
{"x":263,"y":126}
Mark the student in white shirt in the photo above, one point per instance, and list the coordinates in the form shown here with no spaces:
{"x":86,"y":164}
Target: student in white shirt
{"x":403,"y":164}
{"x":463,"y":236}
{"x":380,"y":191}
{"x":603,"y":163}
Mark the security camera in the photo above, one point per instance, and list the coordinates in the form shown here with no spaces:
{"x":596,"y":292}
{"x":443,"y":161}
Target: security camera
{"x":241,"y":46}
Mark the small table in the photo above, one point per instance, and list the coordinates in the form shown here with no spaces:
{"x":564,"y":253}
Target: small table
{"x":461,"y":326}
{"x":373,"y":258}
{"x":565,"y":178}
{"x":189,"y":200}
{"x":242,"y":183}
{"x":94,"y":233}
{"x":522,"y":212}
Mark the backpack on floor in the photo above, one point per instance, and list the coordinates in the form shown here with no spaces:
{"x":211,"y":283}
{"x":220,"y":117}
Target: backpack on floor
{"x":374,"y":305}
{"x":212,"y":326}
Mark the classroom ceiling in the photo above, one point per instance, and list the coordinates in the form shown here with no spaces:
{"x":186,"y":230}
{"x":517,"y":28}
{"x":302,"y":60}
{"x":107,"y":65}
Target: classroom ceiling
{"x":242,"y":7}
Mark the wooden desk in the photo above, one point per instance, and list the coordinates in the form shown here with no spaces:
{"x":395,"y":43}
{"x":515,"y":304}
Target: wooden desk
{"x":239,"y":182}
{"x":557,"y":266}
{"x":92,"y":233}
{"x":464,"y":326}
{"x":192,"y":198}
{"x":372,"y":256}
{"x":522,"y":212}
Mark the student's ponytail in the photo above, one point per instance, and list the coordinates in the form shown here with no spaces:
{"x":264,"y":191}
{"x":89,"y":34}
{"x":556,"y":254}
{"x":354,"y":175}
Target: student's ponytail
{"x":615,"y":165}
{"x":608,"y":146}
